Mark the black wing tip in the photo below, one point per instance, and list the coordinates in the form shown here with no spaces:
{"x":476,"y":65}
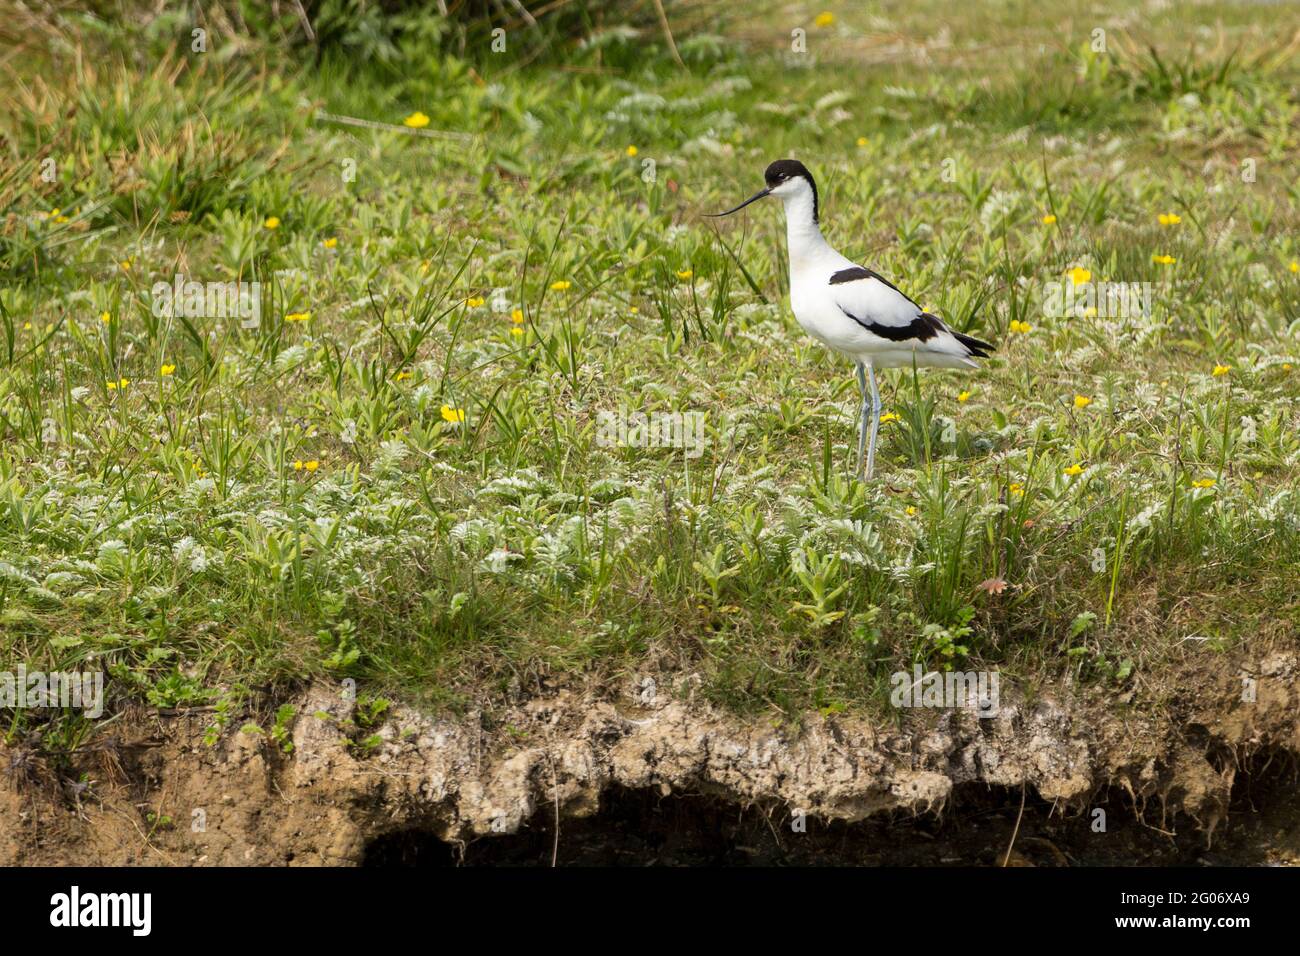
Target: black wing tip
{"x":978,"y":347}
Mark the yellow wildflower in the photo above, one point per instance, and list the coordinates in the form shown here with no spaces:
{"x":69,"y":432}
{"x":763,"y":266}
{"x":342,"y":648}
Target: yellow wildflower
{"x":963,"y":396}
{"x":1079,"y":276}
{"x":416,"y":120}
{"x":450,"y":414}
{"x":330,"y":243}
{"x":297,"y":317}
{"x":1221,"y":370}
{"x":402,"y":376}
{"x":1169,"y":219}
{"x":1295,"y":266}
{"x":1164,"y":260}
{"x":632,"y":150}
{"x":824,"y":19}
{"x":1049,"y":220}
{"x":862,"y":141}
{"x":1082,"y":401}
{"x":517,"y":316}
{"x":684,"y":273}
{"x":105,"y":318}
{"x":271,"y":222}
{"x":1074,"y":470}
{"x":888,"y":417}
{"x":560,"y":285}
{"x":1203,"y":483}
{"x":474,"y":301}
{"x":1024,"y":328}
{"x":167,"y":370}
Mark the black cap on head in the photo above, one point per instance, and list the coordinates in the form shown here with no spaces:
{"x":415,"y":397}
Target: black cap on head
{"x":786,"y":169}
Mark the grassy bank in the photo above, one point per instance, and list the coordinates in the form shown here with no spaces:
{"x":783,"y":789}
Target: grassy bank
{"x":422,"y":466}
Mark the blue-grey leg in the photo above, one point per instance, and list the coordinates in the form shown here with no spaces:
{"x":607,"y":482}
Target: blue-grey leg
{"x":875,"y":420}
{"x":862,"y":417}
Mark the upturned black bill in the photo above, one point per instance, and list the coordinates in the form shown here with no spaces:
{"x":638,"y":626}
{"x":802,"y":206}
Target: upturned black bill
{"x":754,"y":198}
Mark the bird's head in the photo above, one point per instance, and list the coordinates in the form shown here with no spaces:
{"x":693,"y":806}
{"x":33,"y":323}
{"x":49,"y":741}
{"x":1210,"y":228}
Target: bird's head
{"x":786,"y":179}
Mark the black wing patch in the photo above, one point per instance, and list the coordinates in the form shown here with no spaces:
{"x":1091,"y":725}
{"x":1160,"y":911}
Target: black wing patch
{"x":921,"y":329}
{"x":857,"y":273}
{"x":851,"y":275}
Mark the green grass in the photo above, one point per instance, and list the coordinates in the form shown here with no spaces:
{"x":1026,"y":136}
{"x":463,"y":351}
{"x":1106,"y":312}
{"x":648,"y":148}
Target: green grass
{"x":302,"y":500}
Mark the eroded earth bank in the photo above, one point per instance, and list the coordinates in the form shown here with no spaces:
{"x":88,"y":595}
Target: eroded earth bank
{"x":1200,"y":773}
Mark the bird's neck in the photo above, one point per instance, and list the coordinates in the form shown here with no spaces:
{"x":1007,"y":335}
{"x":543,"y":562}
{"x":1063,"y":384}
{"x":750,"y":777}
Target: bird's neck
{"x":803,"y":234}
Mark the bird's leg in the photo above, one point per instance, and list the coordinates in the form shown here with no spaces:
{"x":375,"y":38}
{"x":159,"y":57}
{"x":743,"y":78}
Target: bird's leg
{"x":875,"y":419}
{"x":862,"y":417}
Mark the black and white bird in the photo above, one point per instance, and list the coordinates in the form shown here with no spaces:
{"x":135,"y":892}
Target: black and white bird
{"x":853,"y":310}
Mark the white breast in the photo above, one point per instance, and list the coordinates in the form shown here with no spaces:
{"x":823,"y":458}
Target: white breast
{"x":815,"y":308}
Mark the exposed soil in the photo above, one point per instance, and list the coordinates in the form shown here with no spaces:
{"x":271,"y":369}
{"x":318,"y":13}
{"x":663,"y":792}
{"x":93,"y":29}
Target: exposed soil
{"x":1198,"y":776}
